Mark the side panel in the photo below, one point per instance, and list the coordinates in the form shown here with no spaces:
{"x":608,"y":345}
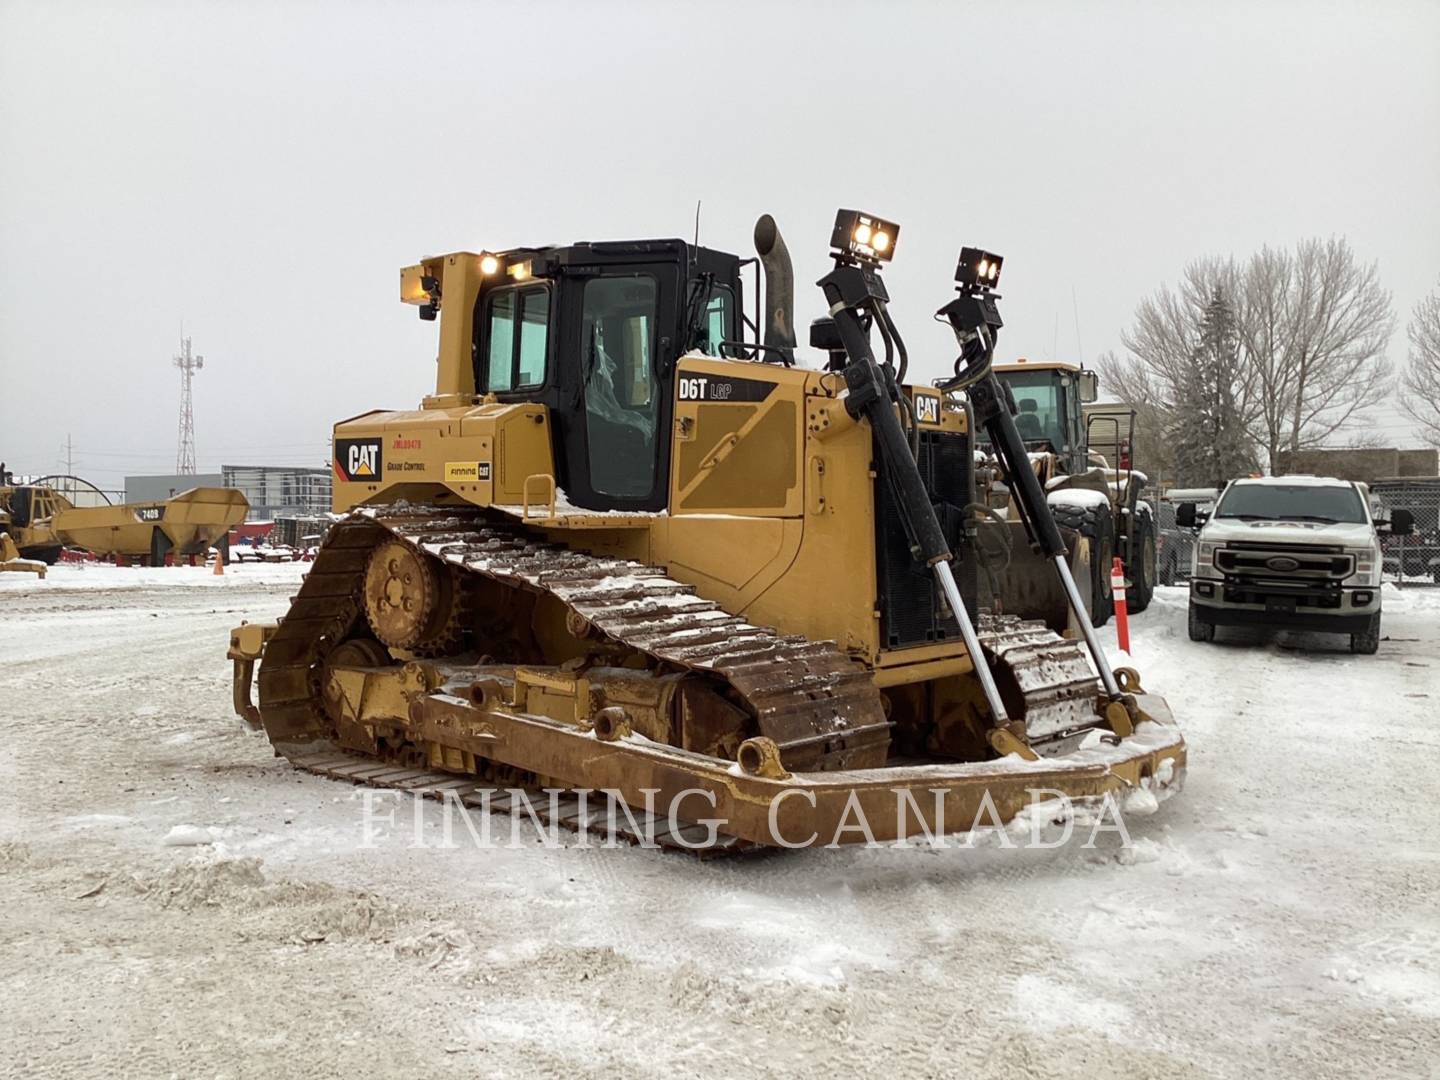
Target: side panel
{"x":739,"y":429}
{"x":482,"y":455}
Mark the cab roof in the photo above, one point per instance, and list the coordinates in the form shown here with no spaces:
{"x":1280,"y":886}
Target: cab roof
{"x":1296,"y":480}
{"x":1024,"y":363}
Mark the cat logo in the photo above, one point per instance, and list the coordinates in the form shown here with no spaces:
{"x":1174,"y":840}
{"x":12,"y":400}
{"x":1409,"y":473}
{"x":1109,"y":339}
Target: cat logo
{"x":927,"y":408}
{"x":357,"y":459}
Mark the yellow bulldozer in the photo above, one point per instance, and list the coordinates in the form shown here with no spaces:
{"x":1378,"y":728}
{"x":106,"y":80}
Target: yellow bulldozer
{"x":43,"y":520}
{"x":629,"y":545}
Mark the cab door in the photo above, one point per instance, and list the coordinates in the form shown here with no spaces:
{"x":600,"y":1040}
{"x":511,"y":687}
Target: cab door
{"x":614,"y":435}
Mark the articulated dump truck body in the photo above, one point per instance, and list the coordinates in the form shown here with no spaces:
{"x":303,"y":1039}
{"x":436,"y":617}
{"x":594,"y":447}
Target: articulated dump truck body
{"x":587,"y":674}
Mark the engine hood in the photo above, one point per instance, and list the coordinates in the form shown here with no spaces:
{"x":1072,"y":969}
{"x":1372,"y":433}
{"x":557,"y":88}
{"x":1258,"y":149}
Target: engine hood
{"x":1226,"y":530}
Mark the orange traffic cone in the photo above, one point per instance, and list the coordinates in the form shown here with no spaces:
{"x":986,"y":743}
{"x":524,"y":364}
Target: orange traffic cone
{"x":219,"y":563}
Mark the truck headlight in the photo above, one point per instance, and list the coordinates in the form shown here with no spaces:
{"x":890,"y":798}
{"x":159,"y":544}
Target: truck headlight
{"x":1368,"y":566}
{"x":1205,"y":555}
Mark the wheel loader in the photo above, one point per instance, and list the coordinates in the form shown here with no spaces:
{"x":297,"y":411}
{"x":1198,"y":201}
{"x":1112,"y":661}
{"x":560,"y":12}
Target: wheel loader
{"x":1084,"y":462}
{"x":631,"y":546}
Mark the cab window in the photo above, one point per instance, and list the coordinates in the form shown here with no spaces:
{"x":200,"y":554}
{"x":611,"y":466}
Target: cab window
{"x":516,"y":330}
{"x":718,"y":315}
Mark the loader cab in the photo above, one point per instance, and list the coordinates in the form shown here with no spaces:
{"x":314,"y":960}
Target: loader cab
{"x":593,"y":331}
{"x":1048,"y":398}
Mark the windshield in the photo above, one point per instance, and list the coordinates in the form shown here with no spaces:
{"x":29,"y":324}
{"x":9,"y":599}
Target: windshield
{"x":1041,"y":401}
{"x":1292,"y":502}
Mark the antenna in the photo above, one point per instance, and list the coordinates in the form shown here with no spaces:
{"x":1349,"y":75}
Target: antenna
{"x":1075,"y":306}
{"x":188,"y":363}
{"x":697,"y":222}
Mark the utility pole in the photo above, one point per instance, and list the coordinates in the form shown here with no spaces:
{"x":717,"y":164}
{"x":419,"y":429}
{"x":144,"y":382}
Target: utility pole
{"x":188,"y":363}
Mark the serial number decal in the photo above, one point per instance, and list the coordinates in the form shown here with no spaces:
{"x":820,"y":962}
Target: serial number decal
{"x":927,"y":408}
{"x":150,"y":513}
{"x":722,"y":388}
{"x":463,"y":471}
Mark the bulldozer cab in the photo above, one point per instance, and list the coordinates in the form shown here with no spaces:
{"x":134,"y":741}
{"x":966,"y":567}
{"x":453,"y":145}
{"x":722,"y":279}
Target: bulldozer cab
{"x":593,"y":331}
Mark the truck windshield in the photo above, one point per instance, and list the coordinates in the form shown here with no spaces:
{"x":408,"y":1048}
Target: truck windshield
{"x":1292,"y":502}
{"x":1041,"y":401}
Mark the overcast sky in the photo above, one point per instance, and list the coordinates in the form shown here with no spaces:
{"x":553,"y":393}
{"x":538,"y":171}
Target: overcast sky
{"x":262,"y":171}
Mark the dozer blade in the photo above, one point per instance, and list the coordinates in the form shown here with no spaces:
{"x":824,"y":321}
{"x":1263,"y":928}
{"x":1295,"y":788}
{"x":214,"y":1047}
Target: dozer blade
{"x":1028,"y":586}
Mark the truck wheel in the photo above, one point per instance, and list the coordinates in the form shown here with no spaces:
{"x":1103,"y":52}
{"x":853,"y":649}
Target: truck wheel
{"x":1367,"y":641}
{"x":1200,"y":630}
{"x":1141,"y":564}
{"x":1097,"y":525}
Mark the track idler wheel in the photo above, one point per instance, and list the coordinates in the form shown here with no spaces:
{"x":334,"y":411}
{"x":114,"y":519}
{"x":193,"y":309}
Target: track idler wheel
{"x":411,"y":599}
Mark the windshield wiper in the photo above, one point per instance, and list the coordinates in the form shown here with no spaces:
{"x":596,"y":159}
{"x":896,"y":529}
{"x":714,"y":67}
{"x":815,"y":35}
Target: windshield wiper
{"x":1249,"y":517}
{"x":1315,"y":517}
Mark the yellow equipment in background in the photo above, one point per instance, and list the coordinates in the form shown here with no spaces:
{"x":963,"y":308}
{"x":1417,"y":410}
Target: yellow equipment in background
{"x":622,"y":547}
{"x":1083,"y":460}
{"x":41,"y":522}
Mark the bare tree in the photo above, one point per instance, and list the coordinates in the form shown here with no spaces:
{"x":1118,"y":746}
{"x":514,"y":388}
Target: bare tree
{"x":1313,"y":325}
{"x":1420,"y":385}
{"x":1159,"y":376}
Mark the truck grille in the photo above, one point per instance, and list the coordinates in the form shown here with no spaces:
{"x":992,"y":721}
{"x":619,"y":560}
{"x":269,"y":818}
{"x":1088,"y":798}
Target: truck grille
{"x":1284,"y":563}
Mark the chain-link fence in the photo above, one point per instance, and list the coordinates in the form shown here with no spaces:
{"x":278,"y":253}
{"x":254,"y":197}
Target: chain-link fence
{"x":1412,"y":559}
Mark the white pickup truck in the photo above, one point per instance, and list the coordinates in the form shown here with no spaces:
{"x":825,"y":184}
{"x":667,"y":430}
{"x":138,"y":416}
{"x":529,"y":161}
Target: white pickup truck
{"x":1291,"y":552}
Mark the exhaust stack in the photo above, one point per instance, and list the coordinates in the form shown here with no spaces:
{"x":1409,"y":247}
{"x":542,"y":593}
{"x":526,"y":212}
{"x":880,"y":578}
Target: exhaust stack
{"x":779,"y":318}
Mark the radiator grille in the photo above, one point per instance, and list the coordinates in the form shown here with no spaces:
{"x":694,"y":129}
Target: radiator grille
{"x":910,"y":602}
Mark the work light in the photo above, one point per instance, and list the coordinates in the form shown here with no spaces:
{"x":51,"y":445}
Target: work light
{"x":978,"y":269}
{"x":864,"y":236}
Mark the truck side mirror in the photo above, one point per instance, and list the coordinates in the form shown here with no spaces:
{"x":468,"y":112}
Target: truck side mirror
{"x":1089,"y":387}
{"x":1185,"y":515}
{"x":1402,"y":523}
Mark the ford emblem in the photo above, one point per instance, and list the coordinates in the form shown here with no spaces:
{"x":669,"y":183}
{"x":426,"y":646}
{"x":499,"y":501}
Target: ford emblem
{"x":1282,"y":564}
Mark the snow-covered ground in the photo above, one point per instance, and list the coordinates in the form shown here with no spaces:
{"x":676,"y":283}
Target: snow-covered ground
{"x":1279,"y":916}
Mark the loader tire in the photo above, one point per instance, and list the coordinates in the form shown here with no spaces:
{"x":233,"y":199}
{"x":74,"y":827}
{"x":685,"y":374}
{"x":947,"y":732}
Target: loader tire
{"x":1097,"y":525}
{"x":1140,"y":566}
